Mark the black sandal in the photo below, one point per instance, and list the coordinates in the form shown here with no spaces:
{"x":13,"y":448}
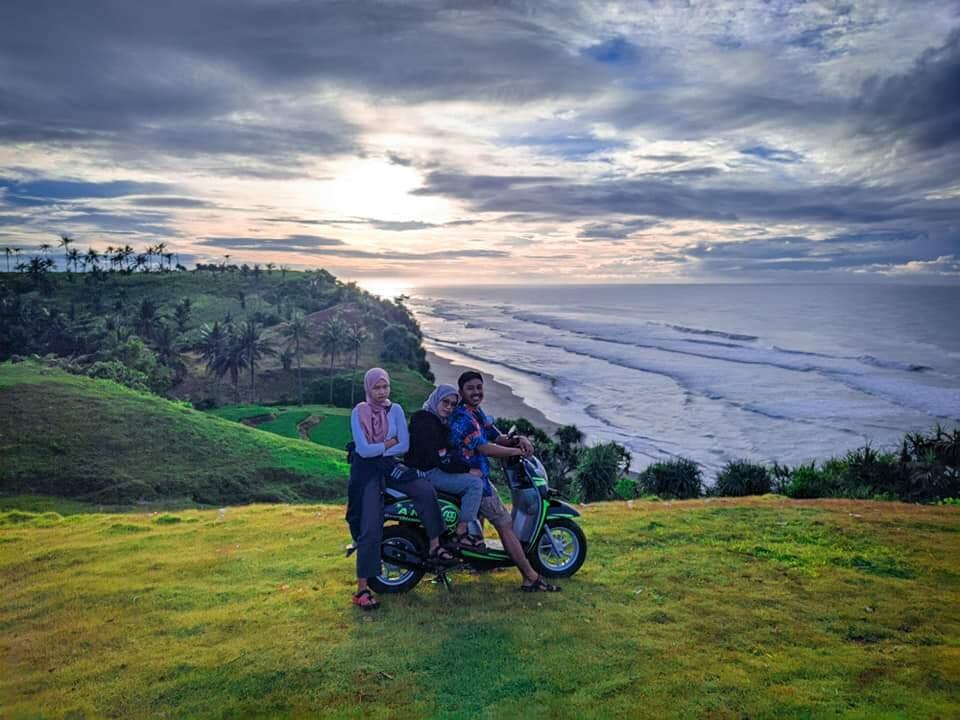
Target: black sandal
{"x":540,"y":585}
{"x":466,"y":541}
{"x":442,"y":556}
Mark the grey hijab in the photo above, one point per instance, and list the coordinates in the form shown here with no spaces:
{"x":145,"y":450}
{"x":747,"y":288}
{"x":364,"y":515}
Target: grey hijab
{"x":432,"y":403}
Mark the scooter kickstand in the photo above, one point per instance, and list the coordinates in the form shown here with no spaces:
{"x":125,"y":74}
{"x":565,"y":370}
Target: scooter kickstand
{"x":442,"y":579}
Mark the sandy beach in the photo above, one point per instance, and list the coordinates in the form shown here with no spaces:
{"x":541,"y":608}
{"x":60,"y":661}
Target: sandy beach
{"x":499,"y":399}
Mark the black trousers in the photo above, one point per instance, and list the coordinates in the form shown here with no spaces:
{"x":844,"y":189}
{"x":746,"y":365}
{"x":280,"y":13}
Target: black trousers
{"x":368,"y":477}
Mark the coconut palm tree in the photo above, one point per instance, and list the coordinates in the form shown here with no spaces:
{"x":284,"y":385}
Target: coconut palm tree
{"x":147,"y":318}
{"x":159,"y":251}
{"x":356,"y":336}
{"x":212,"y":345}
{"x":332,"y":337}
{"x":298,"y":332}
{"x":181,"y":314}
{"x":255,"y":348}
{"x":93,"y":259}
{"x":8,"y":252}
{"x":65,"y":242}
{"x":232,"y":359}
{"x":166,"y":344}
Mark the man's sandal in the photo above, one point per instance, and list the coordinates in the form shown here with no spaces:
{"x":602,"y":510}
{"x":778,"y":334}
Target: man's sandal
{"x":442,"y":556}
{"x":540,"y":585}
{"x":366,"y":600}
{"x":466,"y":541}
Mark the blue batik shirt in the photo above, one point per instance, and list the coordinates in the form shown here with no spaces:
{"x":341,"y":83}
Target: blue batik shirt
{"x":469,"y":429}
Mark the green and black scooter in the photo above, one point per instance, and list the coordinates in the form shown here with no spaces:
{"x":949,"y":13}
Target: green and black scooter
{"x":551,"y":537}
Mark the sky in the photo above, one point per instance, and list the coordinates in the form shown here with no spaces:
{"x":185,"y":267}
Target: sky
{"x":431,"y":143}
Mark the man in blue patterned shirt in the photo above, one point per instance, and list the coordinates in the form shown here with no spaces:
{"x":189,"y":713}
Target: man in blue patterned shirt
{"x":475,"y":439}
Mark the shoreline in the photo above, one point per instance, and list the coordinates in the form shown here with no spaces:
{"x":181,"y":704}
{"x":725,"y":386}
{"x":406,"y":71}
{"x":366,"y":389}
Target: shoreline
{"x":499,"y":398}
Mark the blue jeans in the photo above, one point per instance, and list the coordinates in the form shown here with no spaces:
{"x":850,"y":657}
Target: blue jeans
{"x":468,"y":487}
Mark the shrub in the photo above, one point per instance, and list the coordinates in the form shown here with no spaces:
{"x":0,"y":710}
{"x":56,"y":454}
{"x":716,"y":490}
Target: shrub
{"x":678,"y":479}
{"x":806,"y":481}
{"x":868,"y":473}
{"x":597,"y":473}
{"x":119,"y":373}
{"x":626,"y":488}
{"x":740,"y":477}
{"x":930,"y":465}
{"x":779,"y":478}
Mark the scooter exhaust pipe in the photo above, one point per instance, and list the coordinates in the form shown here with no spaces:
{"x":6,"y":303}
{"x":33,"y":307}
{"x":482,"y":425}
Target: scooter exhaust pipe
{"x":399,"y":556}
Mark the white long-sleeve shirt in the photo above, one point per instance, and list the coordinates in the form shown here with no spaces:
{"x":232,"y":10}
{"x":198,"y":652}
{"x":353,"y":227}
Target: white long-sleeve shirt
{"x":396,"y":428}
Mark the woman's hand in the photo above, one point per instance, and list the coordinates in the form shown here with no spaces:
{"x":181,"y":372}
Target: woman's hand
{"x":476,"y":472}
{"x":390,"y":442}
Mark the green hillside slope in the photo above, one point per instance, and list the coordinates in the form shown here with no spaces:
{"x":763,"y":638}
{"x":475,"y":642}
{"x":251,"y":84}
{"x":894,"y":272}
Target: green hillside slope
{"x":76,"y":437}
{"x":326,"y":425}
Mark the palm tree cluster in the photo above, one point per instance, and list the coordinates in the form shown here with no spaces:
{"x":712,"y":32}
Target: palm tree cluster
{"x":125,"y":259}
{"x":228,"y":349}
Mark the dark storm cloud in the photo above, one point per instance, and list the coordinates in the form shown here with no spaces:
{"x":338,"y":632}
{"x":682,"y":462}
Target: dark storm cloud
{"x":662,"y":198}
{"x":171,"y":75}
{"x":799,"y":253}
{"x":923,"y":104}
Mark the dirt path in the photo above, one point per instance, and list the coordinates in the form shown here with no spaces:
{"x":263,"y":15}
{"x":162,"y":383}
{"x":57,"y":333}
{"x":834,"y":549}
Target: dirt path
{"x":255,"y":420}
{"x":303,"y":427}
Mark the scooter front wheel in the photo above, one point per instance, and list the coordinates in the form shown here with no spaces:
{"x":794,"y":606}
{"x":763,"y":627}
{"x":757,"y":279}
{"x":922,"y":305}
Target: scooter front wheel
{"x":397,"y":578}
{"x":565,"y":554}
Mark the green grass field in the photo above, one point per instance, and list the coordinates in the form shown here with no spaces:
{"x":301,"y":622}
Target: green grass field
{"x":72,"y":436}
{"x":760,"y":608}
{"x":333,"y":430}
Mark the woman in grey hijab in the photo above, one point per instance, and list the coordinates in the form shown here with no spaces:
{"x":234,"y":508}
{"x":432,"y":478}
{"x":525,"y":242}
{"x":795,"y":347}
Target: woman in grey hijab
{"x":430,"y":452}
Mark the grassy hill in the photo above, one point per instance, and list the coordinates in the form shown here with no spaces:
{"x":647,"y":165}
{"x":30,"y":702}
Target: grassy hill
{"x":76,"y":437}
{"x":760,"y":608}
{"x":331,"y":426}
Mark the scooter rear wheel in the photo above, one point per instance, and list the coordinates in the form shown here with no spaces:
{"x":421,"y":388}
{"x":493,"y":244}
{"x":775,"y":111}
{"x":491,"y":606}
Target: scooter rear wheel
{"x":573,"y":550}
{"x":396,"y":578}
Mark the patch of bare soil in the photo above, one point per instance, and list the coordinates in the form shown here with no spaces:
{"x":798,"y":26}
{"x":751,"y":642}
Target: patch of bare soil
{"x":303,"y":427}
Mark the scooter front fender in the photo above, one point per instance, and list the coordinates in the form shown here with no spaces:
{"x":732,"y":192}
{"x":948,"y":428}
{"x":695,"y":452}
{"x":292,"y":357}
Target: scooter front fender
{"x":560,"y":509}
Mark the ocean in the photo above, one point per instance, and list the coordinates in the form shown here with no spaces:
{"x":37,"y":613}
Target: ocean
{"x":787,"y":373}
